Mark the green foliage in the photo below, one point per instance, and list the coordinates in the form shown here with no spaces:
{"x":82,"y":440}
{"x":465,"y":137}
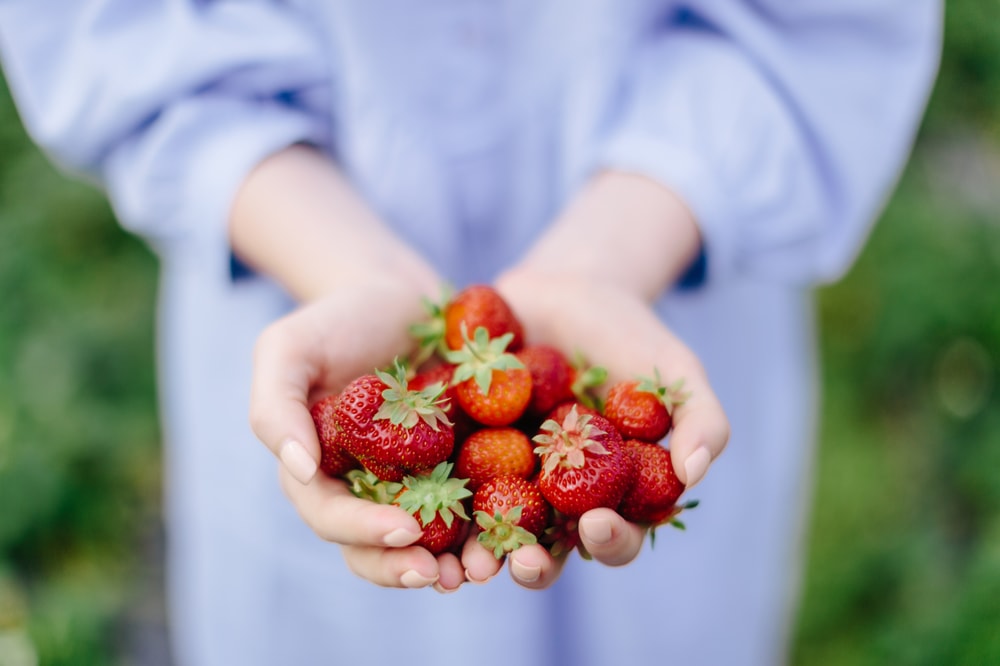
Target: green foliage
{"x":79,"y":466}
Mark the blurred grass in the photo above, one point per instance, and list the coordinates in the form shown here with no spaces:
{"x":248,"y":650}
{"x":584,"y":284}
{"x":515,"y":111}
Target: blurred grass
{"x":904,"y":544}
{"x":79,"y":449}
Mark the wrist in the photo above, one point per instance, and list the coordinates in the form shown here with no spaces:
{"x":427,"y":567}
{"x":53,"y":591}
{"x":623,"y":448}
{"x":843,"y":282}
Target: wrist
{"x":298,"y":219}
{"x":621,"y":230}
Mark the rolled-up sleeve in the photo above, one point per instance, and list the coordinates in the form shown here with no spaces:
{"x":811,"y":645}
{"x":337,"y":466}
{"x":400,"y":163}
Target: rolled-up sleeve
{"x":783,"y":125}
{"x":167,"y":103}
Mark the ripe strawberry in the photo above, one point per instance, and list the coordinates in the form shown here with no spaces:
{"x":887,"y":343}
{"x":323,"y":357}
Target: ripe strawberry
{"x":480,"y":305}
{"x":490,"y":452}
{"x":390,"y":429}
{"x":652,"y":496}
{"x":643,"y":408}
{"x":563,"y":535}
{"x":551,"y":378}
{"x":510,"y":512}
{"x":443,"y":373}
{"x":491,"y":385}
{"x":436,"y":500}
{"x":584,"y":465}
{"x":334,"y":460}
{"x":562,"y":410}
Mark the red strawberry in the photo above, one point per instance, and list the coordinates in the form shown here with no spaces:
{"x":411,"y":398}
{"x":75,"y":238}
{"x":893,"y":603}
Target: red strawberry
{"x":443,"y":373}
{"x":562,"y":410}
{"x":490,"y":452}
{"x":655,"y":489}
{"x":643,"y":409}
{"x":491,"y":385}
{"x":563,"y":535}
{"x":436,"y":500}
{"x":334,"y":460}
{"x":480,"y":305}
{"x":551,"y":378}
{"x":510,"y":512}
{"x":390,"y":429}
{"x":584,"y":465}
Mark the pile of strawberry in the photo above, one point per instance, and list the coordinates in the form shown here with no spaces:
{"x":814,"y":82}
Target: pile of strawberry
{"x":482,"y":422}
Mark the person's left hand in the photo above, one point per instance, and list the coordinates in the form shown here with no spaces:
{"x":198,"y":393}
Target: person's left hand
{"x":619,"y":331}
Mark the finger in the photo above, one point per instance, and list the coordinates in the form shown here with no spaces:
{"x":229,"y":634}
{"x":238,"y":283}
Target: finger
{"x":451,"y":573}
{"x":279,"y":392}
{"x":534,"y":567}
{"x":327,"y":506}
{"x":609,"y":538}
{"x":479,"y":562}
{"x":701,"y":433}
{"x":411,"y":567}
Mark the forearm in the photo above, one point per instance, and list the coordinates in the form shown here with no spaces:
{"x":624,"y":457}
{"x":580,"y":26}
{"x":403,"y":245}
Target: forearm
{"x":297,"y":219}
{"x":621,"y":230}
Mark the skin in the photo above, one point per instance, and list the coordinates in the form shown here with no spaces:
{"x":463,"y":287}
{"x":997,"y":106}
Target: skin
{"x":584,"y":286}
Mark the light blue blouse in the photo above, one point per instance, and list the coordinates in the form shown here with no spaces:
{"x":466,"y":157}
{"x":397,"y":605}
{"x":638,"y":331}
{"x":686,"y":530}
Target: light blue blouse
{"x":467,"y":124}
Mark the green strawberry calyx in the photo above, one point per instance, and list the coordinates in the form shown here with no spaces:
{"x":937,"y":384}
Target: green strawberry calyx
{"x":366,"y":485}
{"x":405,"y":407}
{"x":567,"y":444}
{"x":435,"y":494}
{"x":501,"y":532}
{"x":671,"y":395}
{"x":480,"y":356}
{"x":587,"y":378}
{"x":430,"y":333}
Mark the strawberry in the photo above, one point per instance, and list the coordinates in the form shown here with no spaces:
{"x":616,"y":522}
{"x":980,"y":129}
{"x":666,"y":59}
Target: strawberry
{"x":480,"y":305}
{"x":390,"y":429}
{"x":562,"y":410}
{"x":510,"y":512}
{"x":490,"y":452}
{"x":442,"y":373}
{"x":563,"y":535}
{"x":643,"y":408}
{"x":651,"y":497}
{"x":491,"y":385}
{"x":584,"y":465}
{"x":334,"y":460}
{"x":437,"y":501}
{"x":551,"y":378}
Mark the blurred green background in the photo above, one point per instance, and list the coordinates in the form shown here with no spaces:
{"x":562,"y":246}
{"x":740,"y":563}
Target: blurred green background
{"x":904,"y":545}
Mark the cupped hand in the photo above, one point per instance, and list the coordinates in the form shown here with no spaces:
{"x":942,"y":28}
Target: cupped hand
{"x":618,"y":330}
{"x":317,"y":350}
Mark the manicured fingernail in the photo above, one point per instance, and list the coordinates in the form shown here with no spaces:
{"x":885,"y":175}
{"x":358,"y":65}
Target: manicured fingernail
{"x":597,"y":530}
{"x":413,"y":579}
{"x":477,"y":581}
{"x":696,"y":465}
{"x":438,"y":587}
{"x":400,"y":537}
{"x":523,"y":573}
{"x":298,"y":462}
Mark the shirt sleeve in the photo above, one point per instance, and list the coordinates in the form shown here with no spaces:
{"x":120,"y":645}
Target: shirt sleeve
{"x":166,"y":103}
{"x":783,"y":125}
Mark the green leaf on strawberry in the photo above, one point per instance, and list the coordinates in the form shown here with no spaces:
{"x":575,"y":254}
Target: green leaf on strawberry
{"x":435,"y":494}
{"x":404,"y":407}
{"x":480,"y":356}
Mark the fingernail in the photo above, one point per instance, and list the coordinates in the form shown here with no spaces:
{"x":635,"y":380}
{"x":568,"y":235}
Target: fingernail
{"x":597,"y":530}
{"x":413,"y":579}
{"x":443,"y":590}
{"x":696,"y":465}
{"x":523,"y":573}
{"x":298,"y":462}
{"x":477,"y":581}
{"x":400,"y":537}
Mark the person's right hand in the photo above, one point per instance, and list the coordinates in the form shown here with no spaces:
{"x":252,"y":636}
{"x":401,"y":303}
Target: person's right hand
{"x":315,"y":351}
